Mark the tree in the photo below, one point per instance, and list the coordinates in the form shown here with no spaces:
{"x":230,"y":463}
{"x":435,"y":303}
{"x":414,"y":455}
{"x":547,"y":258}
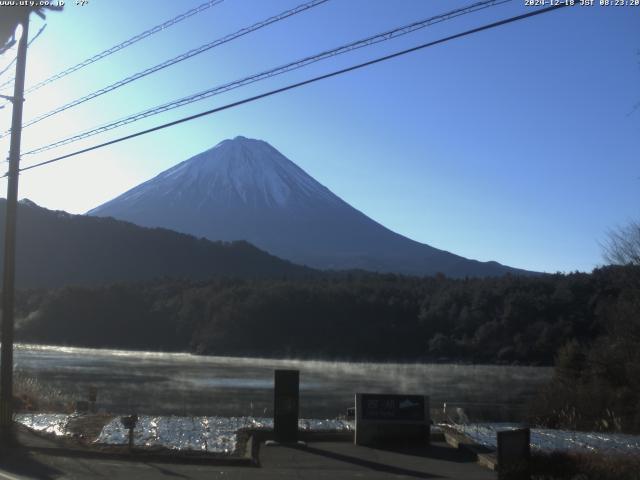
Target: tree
{"x":622,"y":246}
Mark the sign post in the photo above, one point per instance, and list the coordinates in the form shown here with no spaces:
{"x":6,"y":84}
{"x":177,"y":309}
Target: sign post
{"x":286,"y":401}
{"x":514,"y":454}
{"x":129,"y":422}
{"x":93,"y":396}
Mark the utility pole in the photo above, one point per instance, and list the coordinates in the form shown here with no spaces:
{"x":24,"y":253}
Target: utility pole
{"x":8,"y":284}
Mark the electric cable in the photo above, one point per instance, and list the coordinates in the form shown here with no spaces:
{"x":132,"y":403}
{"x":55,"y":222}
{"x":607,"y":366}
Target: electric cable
{"x":7,"y":67}
{"x":303,"y":83}
{"x":116,"y":48}
{"x":167,"y":63}
{"x":217,"y":90}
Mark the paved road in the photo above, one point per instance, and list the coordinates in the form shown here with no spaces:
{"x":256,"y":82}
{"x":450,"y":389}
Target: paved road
{"x":318,"y":460}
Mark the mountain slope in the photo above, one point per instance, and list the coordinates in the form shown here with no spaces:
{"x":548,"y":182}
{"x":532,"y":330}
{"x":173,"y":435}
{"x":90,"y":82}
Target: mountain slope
{"x":244,"y":189}
{"x":56,"y":248}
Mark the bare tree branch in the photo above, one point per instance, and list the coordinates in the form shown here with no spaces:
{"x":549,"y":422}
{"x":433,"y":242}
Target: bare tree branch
{"x":622,"y":246}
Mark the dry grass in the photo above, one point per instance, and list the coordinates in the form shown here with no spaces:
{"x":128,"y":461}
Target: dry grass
{"x":30,"y":395}
{"x":585,"y":466}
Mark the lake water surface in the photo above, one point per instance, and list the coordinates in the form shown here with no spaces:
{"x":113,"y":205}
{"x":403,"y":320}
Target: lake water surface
{"x":183,"y":384}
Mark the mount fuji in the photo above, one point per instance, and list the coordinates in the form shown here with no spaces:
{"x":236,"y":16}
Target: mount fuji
{"x":244,"y":189}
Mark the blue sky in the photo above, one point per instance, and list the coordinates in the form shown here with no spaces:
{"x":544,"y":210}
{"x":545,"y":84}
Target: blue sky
{"x":515,"y":144}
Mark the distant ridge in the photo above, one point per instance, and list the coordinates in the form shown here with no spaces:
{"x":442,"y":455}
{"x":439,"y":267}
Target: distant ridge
{"x":244,"y":189}
{"x":56,"y":248}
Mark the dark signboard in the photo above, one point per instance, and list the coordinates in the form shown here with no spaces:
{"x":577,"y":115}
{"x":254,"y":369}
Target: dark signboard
{"x":514,"y":454}
{"x":286,"y":405}
{"x":393,"y":407}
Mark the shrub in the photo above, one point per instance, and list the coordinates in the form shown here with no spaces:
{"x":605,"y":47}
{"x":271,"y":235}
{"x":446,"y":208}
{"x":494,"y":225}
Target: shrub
{"x":30,"y":395}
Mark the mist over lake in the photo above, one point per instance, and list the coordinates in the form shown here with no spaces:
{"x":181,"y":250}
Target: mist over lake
{"x":185,"y":384}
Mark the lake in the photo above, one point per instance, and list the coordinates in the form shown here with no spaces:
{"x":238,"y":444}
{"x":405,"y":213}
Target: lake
{"x":184,"y":384}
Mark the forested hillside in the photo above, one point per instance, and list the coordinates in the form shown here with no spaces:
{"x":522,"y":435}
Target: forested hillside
{"x":505,"y":320}
{"x":56,"y":248}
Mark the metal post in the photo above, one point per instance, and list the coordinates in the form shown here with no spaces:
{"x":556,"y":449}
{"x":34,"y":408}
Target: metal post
{"x":8,"y":285}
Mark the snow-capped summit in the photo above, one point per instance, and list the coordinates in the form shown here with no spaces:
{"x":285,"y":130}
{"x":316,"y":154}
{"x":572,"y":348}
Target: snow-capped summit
{"x":239,"y":170}
{"x":244,"y":189}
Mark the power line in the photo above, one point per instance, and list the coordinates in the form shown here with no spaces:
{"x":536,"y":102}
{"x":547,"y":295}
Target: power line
{"x":167,"y":63}
{"x":120,"y":46}
{"x":4,"y":70}
{"x":303,"y":83}
{"x":28,"y":45}
{"x":381,"y":37}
